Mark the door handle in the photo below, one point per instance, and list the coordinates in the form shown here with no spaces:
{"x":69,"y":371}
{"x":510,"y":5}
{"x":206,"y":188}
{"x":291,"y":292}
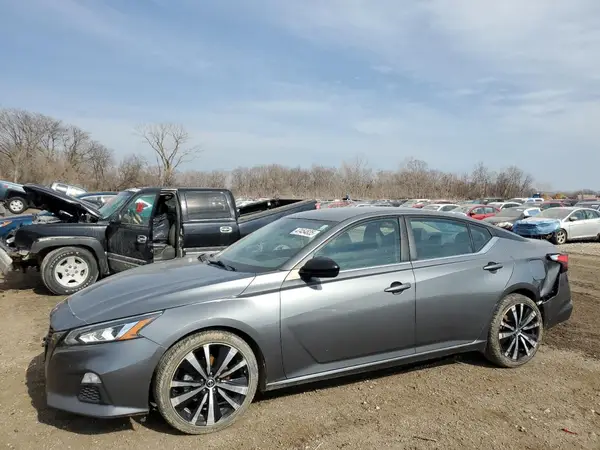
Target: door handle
{"x":396,"y":287}
{"x":141,"y":239}
{"x":492,"y":266}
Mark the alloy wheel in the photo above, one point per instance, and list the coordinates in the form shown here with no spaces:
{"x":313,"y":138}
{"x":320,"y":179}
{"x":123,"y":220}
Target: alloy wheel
{"x":519,"y":331}
{"x":561,"y":236}
{"x":71,"y":271}
{"x":209,"y":384}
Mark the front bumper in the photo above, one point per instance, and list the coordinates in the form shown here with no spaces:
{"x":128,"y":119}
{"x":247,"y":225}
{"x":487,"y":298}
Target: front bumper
{"x":559,"y":307}
{"x":125,"y":370}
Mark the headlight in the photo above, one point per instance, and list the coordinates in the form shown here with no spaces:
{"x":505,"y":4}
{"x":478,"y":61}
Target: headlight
{"x":116,"y":330}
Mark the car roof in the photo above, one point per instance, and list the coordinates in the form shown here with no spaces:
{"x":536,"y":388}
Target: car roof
{"x":342,"y":214}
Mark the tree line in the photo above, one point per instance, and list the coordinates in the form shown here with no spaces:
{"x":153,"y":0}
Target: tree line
{"x":36,"y":148}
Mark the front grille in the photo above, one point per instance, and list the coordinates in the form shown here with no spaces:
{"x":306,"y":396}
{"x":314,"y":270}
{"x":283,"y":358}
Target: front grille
{"x":89,"y":394}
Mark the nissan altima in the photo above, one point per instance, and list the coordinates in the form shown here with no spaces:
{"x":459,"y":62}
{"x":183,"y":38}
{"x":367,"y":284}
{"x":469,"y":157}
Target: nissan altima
{"x":315,"y":295}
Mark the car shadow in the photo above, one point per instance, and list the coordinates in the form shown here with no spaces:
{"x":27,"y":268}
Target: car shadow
{"x":153,"y":420}
{"x":23,"y":281}
{"x":464,"y":358}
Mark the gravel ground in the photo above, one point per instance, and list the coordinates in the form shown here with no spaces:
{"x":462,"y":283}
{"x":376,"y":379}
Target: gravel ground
{"x":452,"y":403}
{"x":582,"y":248}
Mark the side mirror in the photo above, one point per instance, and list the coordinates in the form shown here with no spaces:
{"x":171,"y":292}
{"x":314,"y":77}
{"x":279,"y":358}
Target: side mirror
{"x":116,"y":219}
{"x":319,"y":267}
{"x":573,"y":218}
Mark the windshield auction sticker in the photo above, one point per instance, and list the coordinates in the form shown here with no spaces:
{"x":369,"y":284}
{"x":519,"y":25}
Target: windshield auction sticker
{"x":306,"y":232}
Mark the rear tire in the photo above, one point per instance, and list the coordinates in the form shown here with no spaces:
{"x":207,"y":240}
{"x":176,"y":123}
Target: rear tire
{"x":516,"y":332}
{"x":67,"y":270}
{"x":196,"y":397}
{"x":16,"y":205}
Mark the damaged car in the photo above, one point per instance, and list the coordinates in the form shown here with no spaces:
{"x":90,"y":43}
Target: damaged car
{"x":79,"y":243}
{"x":508,"y":216}
{"x":312,"y":296}
{"x":560,"y":225}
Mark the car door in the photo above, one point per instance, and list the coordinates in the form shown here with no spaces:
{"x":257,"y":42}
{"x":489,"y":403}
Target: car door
{"x":209,"y":222}
{"x":576,"y":225}
{"x":364,"y":315}
{"x":457,"y":289}
{"x":128,"y":235}
{"x":591,"y":223}
{"x":489,"y":211}
{"x":478,"y":213}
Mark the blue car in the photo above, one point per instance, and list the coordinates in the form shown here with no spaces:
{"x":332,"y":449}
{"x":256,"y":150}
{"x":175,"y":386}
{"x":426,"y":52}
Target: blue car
{"x":8,"y":224}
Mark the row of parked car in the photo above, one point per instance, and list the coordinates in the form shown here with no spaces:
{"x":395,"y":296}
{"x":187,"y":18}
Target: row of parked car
{"x":557,"y":220}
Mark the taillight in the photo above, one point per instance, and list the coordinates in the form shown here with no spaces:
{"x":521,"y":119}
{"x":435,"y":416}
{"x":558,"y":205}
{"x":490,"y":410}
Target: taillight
{"x":318,"y":206}
{"x":562,"y":259}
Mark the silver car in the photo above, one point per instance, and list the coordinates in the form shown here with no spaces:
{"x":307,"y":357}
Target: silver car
{"x":575,"y":223}
{"x":312,"y":296}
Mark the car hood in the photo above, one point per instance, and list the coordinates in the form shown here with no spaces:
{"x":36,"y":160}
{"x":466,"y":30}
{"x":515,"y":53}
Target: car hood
{"x":539,"y":220}
{"x":56,"y":201}
{"x":156,"y":287}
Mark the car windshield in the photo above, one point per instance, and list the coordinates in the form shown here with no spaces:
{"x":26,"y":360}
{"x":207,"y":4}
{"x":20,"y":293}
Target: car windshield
{"x":271,"y":246}
{"x":511,"y":212}
{"x":114,"y":203}
{"x":555,"y":213}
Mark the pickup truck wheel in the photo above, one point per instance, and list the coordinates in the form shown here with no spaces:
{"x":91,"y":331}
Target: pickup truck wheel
{"x":68,"y":269}
{"x":16,"y":205}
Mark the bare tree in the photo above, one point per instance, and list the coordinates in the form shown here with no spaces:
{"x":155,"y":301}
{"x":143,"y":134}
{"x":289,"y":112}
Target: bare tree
{"x":20,"y":137}
{"x":168,"y":141}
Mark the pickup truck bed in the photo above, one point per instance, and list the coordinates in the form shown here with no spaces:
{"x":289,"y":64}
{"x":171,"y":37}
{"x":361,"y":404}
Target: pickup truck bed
{"x":252,"y":221}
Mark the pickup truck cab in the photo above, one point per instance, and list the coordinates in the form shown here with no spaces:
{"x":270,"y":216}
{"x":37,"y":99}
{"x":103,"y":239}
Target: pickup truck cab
{"x":136,"y":227}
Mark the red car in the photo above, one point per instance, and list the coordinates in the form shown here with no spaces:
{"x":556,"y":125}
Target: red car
{"x":478,"y":212}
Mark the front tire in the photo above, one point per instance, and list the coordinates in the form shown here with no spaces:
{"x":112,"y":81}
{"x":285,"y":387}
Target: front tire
{"x":68,"y":269}
{"x":16,"y":205}
{"x":205,"y":382}
{"x":515,"y":333}
{"x":560,"y":237}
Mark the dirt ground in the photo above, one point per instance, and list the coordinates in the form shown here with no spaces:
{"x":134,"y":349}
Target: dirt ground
{"x":553,"y":402}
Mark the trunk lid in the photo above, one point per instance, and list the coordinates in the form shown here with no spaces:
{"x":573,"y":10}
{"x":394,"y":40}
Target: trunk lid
{"x":55,"y":202}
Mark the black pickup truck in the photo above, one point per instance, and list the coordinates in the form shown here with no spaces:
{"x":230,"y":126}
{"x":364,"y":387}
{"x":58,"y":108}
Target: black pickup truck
{"x":80,"y":244}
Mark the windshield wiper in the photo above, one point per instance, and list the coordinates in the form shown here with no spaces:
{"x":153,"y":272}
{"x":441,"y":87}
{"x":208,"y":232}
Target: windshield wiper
{"x":216,"y":262}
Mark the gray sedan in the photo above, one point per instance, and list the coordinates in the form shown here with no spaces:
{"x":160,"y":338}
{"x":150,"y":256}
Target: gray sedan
{"x":316,"y":295}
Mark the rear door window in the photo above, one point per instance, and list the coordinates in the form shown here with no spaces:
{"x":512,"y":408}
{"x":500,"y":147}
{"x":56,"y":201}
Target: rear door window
{"x":439,"y":238}
{"x":207,"y":205}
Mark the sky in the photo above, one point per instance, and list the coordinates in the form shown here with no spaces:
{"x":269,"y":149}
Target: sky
{"x":302,"y":82}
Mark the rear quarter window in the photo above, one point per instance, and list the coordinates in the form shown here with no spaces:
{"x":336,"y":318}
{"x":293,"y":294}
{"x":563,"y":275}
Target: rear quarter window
{"x":480,"y":236}
{"x":207,"y":205}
